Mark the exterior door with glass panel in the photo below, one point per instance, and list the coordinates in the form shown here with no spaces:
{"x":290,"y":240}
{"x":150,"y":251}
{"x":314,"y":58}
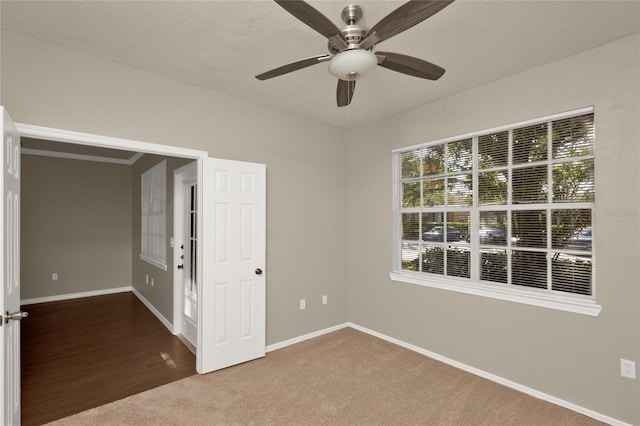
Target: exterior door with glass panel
{"x":188,"y":253}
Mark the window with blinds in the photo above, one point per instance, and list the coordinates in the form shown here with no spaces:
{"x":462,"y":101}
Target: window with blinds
{"x":154,"y":215}
{"x":508,"y":209}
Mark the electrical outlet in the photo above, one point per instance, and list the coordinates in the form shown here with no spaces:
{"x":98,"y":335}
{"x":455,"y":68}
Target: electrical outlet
{"x":627,"y":368}
{"x":303,"y":304}
{"x":54,"y":276}
{"x":146,"y":280}
{"x":152,"y":282}
{"x":324,"y":299}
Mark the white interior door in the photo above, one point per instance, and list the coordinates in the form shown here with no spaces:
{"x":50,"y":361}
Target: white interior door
{"x":10,"y":267}
{"x":232,"y":295}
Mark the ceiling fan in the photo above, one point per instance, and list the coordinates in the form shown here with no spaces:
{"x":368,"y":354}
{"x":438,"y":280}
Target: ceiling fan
{"x":351,"y":49}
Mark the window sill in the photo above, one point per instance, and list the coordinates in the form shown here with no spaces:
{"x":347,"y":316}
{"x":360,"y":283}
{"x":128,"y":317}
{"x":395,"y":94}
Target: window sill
{"x":156,"y":263}
{"x":528,"y":297}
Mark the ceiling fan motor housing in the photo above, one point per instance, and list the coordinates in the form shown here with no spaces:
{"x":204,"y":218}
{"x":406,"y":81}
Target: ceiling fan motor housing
{"x":352,"y":32}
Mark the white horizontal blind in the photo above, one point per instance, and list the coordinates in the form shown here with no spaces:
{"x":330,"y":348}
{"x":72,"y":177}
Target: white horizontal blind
{"x":510,"y":207}
{"x":154,"y":216}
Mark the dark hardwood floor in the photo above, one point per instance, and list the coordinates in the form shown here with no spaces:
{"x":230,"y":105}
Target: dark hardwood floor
{"x":82,"y":353}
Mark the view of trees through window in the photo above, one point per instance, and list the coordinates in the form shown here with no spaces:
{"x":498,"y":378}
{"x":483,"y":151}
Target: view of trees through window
{"x":511,"y":207}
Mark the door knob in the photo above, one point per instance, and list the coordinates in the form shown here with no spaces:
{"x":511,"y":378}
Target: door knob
{"x":258,"y":271}
{"x":16,"y":316}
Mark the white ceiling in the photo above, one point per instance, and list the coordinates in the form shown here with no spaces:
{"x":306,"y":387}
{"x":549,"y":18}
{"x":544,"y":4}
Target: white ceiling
{"x":222,"y":45}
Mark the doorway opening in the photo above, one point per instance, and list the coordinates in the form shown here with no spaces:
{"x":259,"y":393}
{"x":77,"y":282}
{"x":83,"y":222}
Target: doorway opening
{"x":81,"y":149}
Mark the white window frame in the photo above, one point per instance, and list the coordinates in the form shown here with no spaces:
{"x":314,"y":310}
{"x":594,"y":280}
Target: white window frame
{"x":153,"y":226}
{"x":580,"y":304}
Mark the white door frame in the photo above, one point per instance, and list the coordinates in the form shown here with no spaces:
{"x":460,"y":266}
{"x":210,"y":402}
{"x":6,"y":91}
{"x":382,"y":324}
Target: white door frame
{"x":178,"y":232}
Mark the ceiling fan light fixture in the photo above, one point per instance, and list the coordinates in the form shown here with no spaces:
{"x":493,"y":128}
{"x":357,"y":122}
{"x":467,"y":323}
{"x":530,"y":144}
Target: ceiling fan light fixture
{"x":352,"y":64}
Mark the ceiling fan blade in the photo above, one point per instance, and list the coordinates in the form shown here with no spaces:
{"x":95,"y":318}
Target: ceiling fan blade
{"x":406,"y":16}
{"x":344,"y":93}
{"x":409,"y":65}
{"x":294,"y":66}
{"x":316,"y":20}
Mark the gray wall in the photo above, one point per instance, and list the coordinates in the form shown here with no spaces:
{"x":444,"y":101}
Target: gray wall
{"x":47,"y":85}
{"x":160,"y":294}
{"x":571,"y":356}
{"x":76,"y":222}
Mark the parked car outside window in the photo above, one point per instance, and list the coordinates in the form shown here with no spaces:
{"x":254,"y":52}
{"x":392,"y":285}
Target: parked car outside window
{"x":437,"y":234}
{"x":490,"y":235}
{"x":581,"y":239}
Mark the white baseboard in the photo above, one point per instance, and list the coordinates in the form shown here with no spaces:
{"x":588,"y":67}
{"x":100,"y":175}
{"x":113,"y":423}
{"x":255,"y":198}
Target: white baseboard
{"x":299,"y":339}
{"x":70,"y":296}
{"x":154,"y":311}
{"x":497,"y":379}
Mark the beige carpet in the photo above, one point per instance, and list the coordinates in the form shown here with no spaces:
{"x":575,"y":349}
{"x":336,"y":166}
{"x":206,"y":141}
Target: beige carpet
{"x":342,"y":378}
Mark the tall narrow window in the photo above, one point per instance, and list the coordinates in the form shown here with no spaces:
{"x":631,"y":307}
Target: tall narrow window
{"x":153,"y":247}
{"x":505,"y":211}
